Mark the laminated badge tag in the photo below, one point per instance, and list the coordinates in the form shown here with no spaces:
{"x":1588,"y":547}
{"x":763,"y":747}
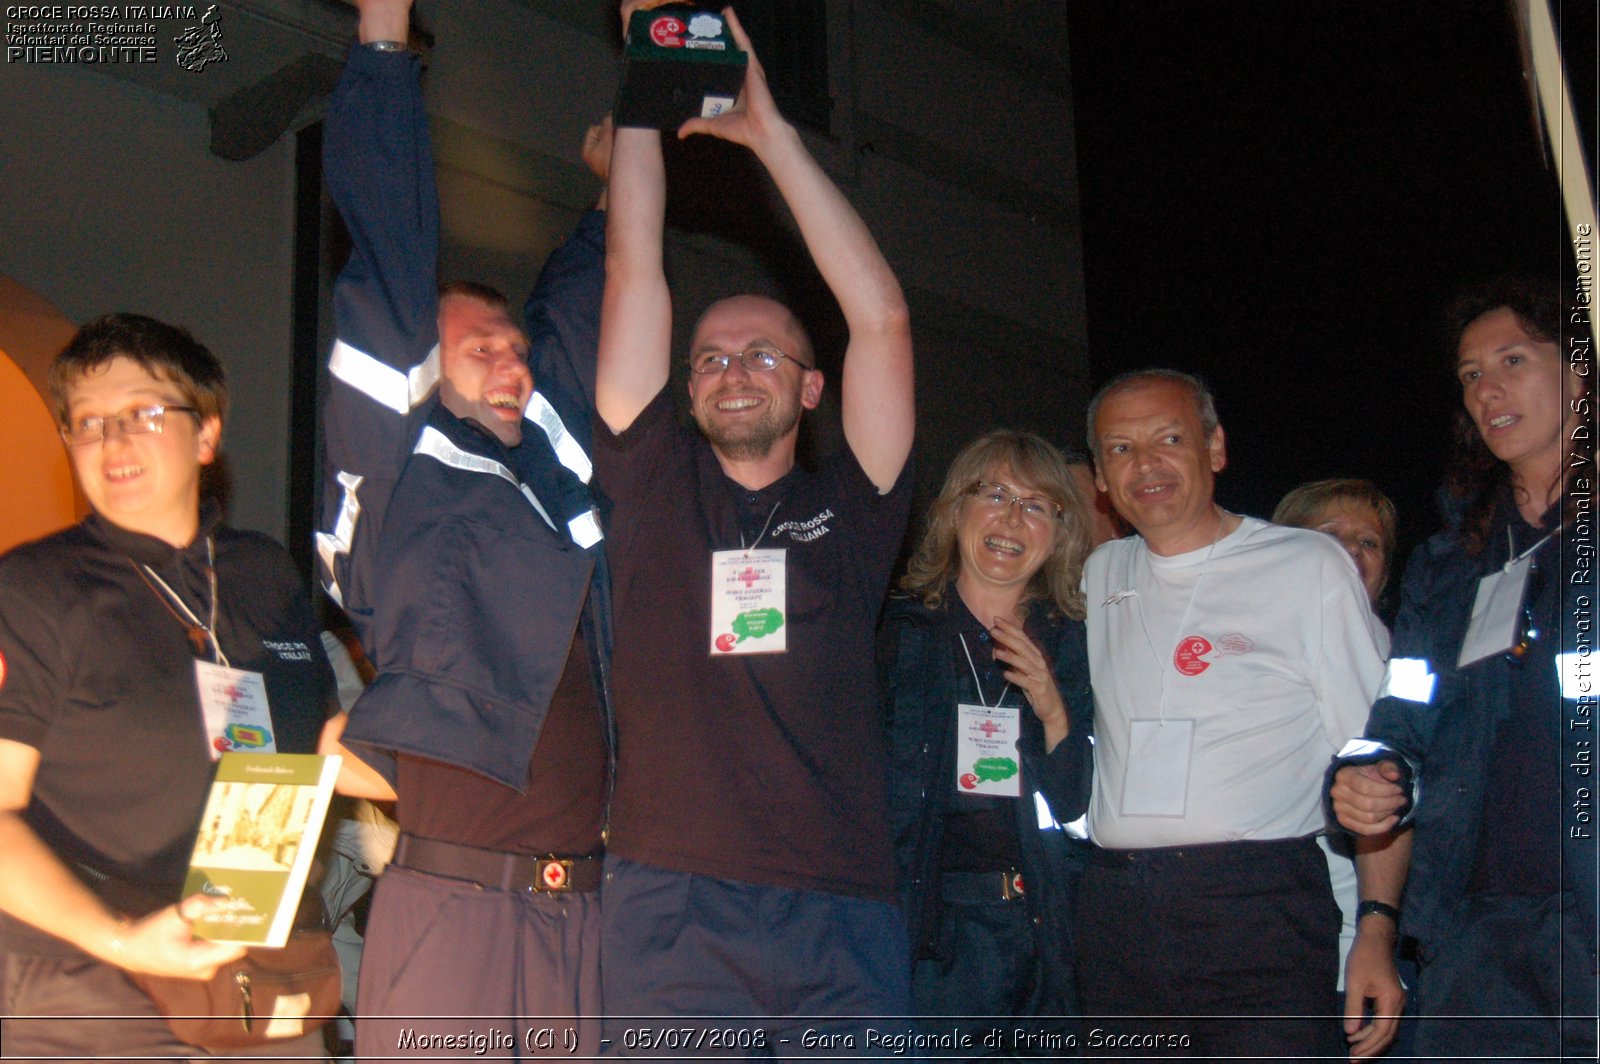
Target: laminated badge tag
{"x":1495,"y":613}
{"x":749,"y":601}
{"x":986,"y":750}
{"x":1156,"y":778}
{"x":234,"y":703}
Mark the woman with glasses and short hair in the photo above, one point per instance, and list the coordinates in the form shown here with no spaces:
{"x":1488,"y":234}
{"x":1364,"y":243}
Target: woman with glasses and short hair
{"x":109,"y":630}
{"x":986,"y":681}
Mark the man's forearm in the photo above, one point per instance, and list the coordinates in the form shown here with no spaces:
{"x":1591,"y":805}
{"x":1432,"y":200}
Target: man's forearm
{"x":636,"y":314}
{"x":1382,"y":864}
{"x":37,"y":889}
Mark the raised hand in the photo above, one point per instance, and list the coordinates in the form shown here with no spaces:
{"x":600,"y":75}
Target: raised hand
{"x":753,"y":120}
{"x":1029,"y":670}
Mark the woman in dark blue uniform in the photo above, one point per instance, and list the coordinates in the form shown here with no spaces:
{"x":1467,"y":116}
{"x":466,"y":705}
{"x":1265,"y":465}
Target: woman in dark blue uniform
{"x":987,"y":685}
{"x":1489,"y":698}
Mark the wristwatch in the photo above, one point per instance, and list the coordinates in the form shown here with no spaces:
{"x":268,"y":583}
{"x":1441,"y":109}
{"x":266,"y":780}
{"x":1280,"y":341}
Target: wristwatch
{"x":1382,"y":908}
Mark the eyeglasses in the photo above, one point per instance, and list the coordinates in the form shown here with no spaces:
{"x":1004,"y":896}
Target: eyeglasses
{"x":757,"y":358}
{"x":134,"y":421}
{"x":995,"y":497}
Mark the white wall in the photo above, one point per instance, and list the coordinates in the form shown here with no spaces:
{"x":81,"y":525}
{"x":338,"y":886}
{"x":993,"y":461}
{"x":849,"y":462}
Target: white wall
{"x":110,"y":200}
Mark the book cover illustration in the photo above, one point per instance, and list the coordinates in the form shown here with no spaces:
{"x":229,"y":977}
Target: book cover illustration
{"x":256,"y":843}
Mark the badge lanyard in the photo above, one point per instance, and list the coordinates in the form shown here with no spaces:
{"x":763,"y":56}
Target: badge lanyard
{"x":233,"y":702}
{"x":977,"y":684}
{"x":986,"y":741}
{"x":1163,"y":666}
{"x":1156,"y":778}
{"x":1496,"y":610}
{"x":749,"y":597}
{"x":199,"y":633}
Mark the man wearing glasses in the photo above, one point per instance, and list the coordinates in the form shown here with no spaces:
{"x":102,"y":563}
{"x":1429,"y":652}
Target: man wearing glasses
{"x":750,"y":871}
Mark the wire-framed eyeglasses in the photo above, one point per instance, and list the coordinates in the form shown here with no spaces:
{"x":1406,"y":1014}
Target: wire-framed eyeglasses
{"x":757,"y":358}
{"x":134,"y":421}
{"x":998,"y":497}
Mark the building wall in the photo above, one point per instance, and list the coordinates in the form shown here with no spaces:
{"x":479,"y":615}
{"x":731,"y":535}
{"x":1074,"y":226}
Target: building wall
{"x":950,"y":131}
{"x":110,"y":200}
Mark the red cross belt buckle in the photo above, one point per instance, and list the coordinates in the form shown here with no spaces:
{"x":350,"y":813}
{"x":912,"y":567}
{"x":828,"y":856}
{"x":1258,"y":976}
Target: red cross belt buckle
{"x":1014,"y":885}
{"x":555,"y":874}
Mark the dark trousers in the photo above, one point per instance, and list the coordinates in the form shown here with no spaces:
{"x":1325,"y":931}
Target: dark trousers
{"x":451,"y":969}
{"x":777,"y":972}
{"x":1208,"y":951}
{"x":79,"y":1009}
{"x":988,"y":975}
{"x":1515,"y":980}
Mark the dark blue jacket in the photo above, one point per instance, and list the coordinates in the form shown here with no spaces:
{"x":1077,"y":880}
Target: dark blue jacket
{"x":463,"y":564}
{"x":919,"y":682}
{"x":1451,"y":736}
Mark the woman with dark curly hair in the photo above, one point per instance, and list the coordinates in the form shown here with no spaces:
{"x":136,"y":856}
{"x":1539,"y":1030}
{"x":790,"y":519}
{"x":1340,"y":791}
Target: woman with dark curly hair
{"x":986,"y":677}
{"x":1488,"y":702}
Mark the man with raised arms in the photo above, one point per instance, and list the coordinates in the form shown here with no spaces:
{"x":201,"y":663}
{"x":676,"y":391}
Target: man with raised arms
{"x":750,"y":870}
{"x":460,"y":537}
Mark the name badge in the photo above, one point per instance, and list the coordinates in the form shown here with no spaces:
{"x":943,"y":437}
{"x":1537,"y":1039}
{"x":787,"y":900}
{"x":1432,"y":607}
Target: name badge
{"x":234,"y":704}
{"x":1157,"y":773}
{"x":1495,"y":613}
{"x":986,"y":750}
{"x":749,"y":601}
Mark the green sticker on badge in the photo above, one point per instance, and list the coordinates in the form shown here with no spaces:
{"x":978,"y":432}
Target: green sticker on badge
{"x":994,"y":769}
{"x":753,"y":624}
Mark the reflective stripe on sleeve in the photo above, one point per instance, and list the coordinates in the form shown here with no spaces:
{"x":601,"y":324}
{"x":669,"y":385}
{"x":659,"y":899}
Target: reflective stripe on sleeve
{"x":1410,"y":679}
{"x":1576,"y":672}
{"x":568,"y":450}
{"x":1361,"y":748}
{"x":585,"y":529}
{"x":433,"y":443}
{"x":381,"y":383}
{"x":332,"y":544}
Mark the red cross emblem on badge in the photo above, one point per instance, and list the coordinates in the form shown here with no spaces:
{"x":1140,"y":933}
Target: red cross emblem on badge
{"x":667,"y":32}
{"x":748,"y":577}
{"x":554,"y":875}
{"x":233,"y":692}
{"x":988,"y":728}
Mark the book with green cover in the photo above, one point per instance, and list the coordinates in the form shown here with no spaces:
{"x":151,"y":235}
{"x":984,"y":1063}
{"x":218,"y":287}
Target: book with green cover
{"x":256,"y":843}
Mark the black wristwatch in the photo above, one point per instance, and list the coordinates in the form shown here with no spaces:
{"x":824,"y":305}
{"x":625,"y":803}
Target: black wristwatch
{"x":1382,"y":908}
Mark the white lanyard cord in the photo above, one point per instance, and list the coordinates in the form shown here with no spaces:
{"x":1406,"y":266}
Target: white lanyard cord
{"x":764,"y":528}
{"x":211,"y":579}
{"x":1512,"y":557}
{"x":977,"y":683}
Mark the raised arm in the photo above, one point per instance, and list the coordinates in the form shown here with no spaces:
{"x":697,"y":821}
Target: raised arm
{"x":878,"y":402}
{"x":379,"y":166}
{"x":636,"y":311}
{"x":378,"y":159}
{"x":562,"y":313}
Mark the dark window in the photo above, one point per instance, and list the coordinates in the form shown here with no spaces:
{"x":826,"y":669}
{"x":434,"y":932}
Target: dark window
{"x":791,"y":37}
